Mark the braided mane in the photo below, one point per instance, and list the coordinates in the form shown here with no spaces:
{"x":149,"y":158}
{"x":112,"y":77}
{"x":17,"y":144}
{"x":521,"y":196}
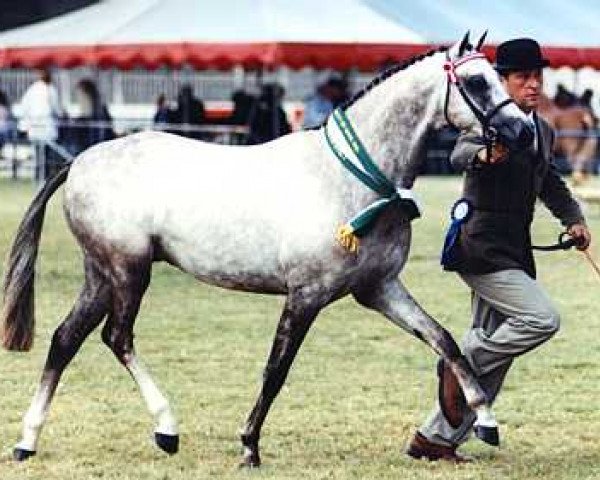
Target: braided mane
{"x":387,"y":74}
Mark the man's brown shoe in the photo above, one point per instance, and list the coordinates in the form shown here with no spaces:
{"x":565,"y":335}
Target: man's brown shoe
{"x":420,"y":447}
{"x":451,"y":397}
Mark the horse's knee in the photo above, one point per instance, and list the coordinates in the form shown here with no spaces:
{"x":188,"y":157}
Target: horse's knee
{"x":120,"y":343}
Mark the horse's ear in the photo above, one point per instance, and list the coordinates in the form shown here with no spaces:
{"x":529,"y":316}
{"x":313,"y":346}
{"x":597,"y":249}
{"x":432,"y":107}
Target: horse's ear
{"x":464,"y":44}
{"x":480,"y":41}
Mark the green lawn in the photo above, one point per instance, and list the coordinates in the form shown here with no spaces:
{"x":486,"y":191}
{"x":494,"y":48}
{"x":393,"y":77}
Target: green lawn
{"x":358,"y":389}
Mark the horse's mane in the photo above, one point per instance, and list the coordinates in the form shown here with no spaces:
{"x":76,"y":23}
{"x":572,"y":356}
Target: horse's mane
{"x":387,"y":74}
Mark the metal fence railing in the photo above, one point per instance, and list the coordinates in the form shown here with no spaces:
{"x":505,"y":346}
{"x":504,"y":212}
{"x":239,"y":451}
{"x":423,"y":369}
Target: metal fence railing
{"x":20,"y":159}
{"x":137,"y":87}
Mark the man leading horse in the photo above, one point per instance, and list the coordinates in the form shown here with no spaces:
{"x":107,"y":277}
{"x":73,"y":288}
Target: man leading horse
{"x":492,"y":252}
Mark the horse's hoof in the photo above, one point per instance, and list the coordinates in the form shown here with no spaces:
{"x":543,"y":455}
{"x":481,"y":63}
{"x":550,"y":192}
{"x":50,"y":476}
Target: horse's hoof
{"x":167,"y":443}
{"x":488,"y":435}
{"x":20,"y":454}
{"x":253,"y":462}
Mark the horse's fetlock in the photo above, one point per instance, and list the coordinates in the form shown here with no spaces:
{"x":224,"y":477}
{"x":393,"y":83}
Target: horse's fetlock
{"x":33,"y":421}
{"x":249,"y":440}
{"x":160,"y":408}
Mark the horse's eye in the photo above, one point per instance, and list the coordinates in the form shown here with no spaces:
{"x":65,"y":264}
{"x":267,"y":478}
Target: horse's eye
{"x":476,"y":84}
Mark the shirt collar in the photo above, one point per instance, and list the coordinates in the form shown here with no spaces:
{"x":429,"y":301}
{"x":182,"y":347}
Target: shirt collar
{"x":531,"y":117}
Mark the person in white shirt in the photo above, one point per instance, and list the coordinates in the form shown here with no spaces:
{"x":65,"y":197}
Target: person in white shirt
{"x":40,"y":111}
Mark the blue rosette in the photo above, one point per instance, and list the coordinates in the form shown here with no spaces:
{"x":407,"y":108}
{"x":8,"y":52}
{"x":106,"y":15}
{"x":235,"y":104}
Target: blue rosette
{"x":460,"y":212}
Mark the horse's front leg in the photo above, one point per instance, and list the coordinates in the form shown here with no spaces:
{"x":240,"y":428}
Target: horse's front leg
{"x":297,"y":317}
{"x":391,"y":299}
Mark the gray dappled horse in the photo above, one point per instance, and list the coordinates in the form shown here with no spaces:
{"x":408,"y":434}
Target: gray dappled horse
{"x":258,"y":219}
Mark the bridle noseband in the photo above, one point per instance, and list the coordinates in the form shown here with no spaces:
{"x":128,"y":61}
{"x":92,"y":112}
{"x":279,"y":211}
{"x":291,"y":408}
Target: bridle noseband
{"x":489,"y":133}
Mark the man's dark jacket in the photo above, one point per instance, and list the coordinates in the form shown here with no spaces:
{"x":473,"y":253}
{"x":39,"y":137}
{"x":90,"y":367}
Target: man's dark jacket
{"x":497,"y":235}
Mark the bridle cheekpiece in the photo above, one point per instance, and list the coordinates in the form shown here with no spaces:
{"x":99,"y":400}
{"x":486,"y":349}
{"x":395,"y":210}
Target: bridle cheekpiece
{"x":484,"y":118}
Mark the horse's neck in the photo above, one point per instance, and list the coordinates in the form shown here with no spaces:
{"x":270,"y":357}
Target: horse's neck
{"x":392,"y":119}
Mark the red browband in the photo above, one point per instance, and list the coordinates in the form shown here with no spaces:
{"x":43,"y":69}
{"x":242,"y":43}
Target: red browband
{"x":450,"y":66}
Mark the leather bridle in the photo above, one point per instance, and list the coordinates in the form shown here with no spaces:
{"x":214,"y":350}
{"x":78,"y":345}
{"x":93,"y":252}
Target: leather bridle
{"x":489,"y":133}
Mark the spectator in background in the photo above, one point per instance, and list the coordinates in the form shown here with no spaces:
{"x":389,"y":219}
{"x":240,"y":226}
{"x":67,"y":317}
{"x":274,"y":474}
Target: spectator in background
{"x":7,"y":121}
{"x":268,"y":120}
{"x":189,"y":113}
{"x":94,"y":124}
{"x":163,"y":112}
{"x":40,"y":114}
{"x":243,"y":104}
{"x":342,"y":95}
{"x":327,"y":97}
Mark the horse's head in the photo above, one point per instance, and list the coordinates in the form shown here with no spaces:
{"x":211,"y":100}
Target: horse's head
{"x":476,"y":100}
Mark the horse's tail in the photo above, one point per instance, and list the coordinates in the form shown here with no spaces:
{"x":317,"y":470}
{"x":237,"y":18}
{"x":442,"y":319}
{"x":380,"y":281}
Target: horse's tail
{"x":17,"y":314}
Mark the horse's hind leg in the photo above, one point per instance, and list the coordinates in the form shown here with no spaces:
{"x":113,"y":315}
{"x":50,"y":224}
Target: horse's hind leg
{"x":392,"y":300}
{"x":87,"y":313}
{"x":297,"y":317}
{"x":129,"y":280}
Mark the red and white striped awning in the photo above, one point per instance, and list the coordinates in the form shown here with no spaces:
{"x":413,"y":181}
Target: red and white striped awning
{"x":205,"y":34}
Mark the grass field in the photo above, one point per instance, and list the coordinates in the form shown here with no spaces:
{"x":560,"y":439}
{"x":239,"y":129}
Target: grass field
{"x":357,"y":391}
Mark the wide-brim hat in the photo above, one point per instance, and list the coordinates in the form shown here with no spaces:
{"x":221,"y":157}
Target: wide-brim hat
{"x":519,"y":54}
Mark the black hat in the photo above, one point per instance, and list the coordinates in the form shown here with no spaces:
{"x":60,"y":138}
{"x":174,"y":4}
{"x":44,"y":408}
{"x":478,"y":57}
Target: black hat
{"x":519,"y":54}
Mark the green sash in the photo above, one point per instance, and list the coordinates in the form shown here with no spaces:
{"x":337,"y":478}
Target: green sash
{"x":371,"y":176}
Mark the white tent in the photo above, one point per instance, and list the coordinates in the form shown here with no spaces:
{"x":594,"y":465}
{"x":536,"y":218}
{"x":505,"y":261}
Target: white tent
{"x":208,"y":34}
{"x":270,"y":33}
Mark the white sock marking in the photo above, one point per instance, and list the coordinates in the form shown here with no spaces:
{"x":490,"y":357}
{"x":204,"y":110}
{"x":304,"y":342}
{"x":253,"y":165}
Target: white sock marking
{"x":34,"y":419}
{"x":156,"y":402}
{"x":485,"y":416}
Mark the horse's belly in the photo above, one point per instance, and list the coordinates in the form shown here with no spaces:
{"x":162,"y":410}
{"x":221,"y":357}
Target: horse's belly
{"x":236,"y":254}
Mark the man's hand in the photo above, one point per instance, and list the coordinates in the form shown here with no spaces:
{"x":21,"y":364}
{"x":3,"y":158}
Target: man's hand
{"x":499,"y":153}
{"x":582,"y":234}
